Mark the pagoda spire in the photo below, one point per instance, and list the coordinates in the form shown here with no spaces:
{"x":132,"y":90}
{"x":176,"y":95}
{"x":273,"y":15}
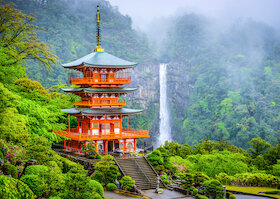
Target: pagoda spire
{"x":98,"y":41}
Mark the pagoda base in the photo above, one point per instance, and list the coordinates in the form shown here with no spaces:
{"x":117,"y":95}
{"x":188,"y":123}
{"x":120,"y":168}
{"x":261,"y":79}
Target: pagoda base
{"x":102,"y":146}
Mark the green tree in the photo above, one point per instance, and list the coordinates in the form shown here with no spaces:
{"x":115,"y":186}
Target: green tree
{"x":259,"y":146}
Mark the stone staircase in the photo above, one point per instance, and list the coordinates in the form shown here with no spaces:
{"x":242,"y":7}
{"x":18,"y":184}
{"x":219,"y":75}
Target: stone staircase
{"x":140,"y":170}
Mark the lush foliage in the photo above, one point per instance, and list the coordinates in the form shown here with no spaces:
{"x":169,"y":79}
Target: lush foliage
{"x":111,"y":186}
{"x":225,"y":79}
{"x":127,"y":183}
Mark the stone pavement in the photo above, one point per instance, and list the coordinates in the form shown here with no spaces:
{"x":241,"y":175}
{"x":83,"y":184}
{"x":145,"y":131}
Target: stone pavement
{"x":112,"y":195}
{"x":167,"y":194}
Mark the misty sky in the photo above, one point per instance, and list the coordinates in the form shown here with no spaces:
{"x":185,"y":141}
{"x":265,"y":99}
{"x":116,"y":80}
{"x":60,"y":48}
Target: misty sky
{"x":144,"y":12}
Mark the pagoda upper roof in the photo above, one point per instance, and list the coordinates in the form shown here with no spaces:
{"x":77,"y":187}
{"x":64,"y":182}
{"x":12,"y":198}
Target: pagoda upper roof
{"x":103,"y":111}
{"x":100,"y":59}
{"x":101,"y":90}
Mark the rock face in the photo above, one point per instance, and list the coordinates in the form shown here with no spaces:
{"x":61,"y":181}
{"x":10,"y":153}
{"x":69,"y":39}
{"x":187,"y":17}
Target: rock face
{"x":146,"y":78}
{"x":179,"y":89}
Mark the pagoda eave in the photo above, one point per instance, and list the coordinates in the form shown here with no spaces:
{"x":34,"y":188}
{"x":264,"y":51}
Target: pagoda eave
{"x":102,"y":111}
{"x":100,"y":90}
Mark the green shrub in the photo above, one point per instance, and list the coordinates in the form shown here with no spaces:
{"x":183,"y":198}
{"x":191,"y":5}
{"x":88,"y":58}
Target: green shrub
{"x":2,"y":156}
{"x":273,"y":192}
{"x":36,"y":170}
{"x":95,"y":186}
{"x":195,"y":191}
{"x":68,"y":165}
{"x":256,"y":179}
{"x":10,"y":169}
{"x":35,"y":183}
{"x":127,"y":183}
{"x":214,"y":188}
{"x":54,"y":197}
{"x":112,"y":173}
{"x":53,"y":166}
{"x":225,"y":179}
{"x":199,"y":178}
{"x":98,"y":176}
{"x":165,"y":181}
{"x":155,"y":158}
{"x":198,"y":196}
{"x":98,"y":156}
{"x":231,"y":196}
{"x":13,"y":188}
{"x":111,"y":186}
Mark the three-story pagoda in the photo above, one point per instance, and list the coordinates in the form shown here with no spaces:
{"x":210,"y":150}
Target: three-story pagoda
{"x":100,"y":113}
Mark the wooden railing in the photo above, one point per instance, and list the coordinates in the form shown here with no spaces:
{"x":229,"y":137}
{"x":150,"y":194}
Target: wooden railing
{"x":92,"y":80}
{"x":84,"y":135}
{"x":103,"y":102}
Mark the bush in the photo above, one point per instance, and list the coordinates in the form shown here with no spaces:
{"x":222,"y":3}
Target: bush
{"x":98,"y":176}
{"x":231,"y":196}
{"x":68,"y":165}
{"x":10,"y":169}
{"x":195,"y":191}
{"x":112,"y":174}
{"x":98,"y":156}
{"x":155,"y":158}
{"x":214,"y":188}
{"x":36,"y":169}
{"x":127,"y":183}
{"x":199,"y":178}
{"x":165,"y":181}
{"x":111,"y":186}
{"x":198,"y":196}
{"x":225,"y":179}
{"x":36,"y":184}
{"x":53,"y":166}
{"x":273,"y":192}
{"x":256,"y":179}
{"x":96,"y":186}
{"x":13,"y":188}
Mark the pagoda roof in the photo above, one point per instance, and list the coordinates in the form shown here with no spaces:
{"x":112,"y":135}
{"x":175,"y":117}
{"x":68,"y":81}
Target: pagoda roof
{"x":102,"y":111}
{"x":101,"y":90}
{"x":100,"y":59}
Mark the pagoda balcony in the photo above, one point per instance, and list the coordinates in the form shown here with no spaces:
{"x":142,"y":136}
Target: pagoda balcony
{"x":99,"y":78}
{"x":107,"y":102}
{"x":98,"y":81}
{"x":86,"y":136}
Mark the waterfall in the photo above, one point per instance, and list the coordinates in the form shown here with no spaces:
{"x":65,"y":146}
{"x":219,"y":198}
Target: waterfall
{"x":164,"y":127}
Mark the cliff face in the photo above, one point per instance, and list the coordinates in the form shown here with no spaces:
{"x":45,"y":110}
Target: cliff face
{"x":179,"y":89}
{"x":146,"y":78}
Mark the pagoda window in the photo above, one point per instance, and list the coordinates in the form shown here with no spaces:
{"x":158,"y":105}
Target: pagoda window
{"x":121,"y":145}
{"x":80,"y":124}
{"x":129,"y":145}
{"x":89,"y":125}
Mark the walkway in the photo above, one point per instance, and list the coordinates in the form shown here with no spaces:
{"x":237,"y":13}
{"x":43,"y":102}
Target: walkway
{"x":167,"y":194}
{"x":240,"y":196}
{"x":112,"y":195}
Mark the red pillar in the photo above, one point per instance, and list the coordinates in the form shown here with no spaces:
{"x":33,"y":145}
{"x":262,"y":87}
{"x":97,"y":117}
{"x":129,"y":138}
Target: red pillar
{"x":69,"y":123}
{"x":64,"y":146}
{"x":106,"y":143}
{"x":135,"y":142}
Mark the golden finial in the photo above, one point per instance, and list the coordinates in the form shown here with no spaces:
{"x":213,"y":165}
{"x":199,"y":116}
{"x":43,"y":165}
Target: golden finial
{"x":98,"y":47}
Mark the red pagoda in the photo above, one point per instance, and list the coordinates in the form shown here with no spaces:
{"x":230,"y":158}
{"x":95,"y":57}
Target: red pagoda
{"x":100,"y":113}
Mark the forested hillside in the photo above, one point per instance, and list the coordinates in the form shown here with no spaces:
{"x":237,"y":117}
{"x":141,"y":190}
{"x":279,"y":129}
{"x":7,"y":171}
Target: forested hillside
{"x":225,"y":78}
{"x":70,"y":29}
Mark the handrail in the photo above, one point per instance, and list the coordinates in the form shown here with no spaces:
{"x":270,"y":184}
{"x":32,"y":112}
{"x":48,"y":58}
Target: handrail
{"x":143,"y":172}
{"x":110,"y":135}
{"x":156,"y":173}
{"x":116,"y":161}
